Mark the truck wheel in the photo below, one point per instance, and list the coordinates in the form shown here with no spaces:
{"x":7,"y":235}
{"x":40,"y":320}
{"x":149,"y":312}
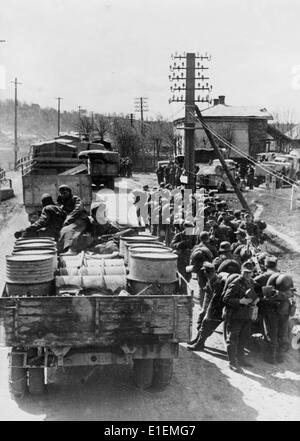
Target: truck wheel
{"x":17,"y":376}
{"x":36,"y":381}
{"x":163,"y":372}
{"x":143,"y":373}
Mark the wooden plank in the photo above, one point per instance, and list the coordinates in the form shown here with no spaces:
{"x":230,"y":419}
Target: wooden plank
{"x":71,"y":320}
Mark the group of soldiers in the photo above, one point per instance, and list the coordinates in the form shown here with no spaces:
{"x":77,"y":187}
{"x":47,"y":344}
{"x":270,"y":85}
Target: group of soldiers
{"x":169,"y":174}
{"x":239,"y":284}
{"x":126,"y":167}
{"x":68,"y":222}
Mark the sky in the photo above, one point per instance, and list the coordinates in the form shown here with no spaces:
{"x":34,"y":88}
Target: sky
{"x":102,"y":54}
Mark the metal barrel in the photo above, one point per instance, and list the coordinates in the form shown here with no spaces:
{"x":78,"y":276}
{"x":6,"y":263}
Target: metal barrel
{"x":43,"y":252}
{"x":134,"y":239}
{"x":26,"y":269}
{"x":153,"y":267}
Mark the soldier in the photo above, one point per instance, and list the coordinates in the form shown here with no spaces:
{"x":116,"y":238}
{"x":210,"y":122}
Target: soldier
{"x":278,"y":305}
{"x":206,"y":242}
{"x":48,"y":224}
{"x":268,"y":269}
{"x":241,"y":239}
{"x":76,"y":220}
{"x":211,"y":315}
{"x":160,"y":174}
{"x":237,"y":297}
{"x":167,"y":173}
{"x":129,"y":167}
{"x":224,"y":254}
{"x":182,"y":243}
{"x":250,"y":227}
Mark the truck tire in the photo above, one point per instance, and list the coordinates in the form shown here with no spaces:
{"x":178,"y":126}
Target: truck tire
{"x":36,"y":381}
{"x":163,"y":372}
{"x":143,"y":373}
{"x":17,"y":376}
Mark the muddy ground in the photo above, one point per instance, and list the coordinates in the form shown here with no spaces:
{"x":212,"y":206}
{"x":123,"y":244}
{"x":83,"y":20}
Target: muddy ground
{"x":202,"y":387}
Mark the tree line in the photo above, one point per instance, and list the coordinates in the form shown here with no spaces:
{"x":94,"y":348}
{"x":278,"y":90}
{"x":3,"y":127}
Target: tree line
{"x":35,"y":123}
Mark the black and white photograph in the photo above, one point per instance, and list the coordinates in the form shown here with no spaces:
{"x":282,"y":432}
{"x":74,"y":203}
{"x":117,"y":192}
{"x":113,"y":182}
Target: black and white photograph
{"x":149,"y":213}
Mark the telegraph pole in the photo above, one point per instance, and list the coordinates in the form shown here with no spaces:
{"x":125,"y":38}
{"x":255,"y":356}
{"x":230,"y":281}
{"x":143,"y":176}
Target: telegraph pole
{"x":15,"y":82}
{"x":92,"y":120}
{"x":141,"y":106}
{"x":58,"y":114}
{"x":187,"y":77}
{"x":79,"y":120}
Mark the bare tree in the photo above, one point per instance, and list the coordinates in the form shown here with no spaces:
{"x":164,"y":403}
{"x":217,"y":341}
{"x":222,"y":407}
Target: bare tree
{"x":227,"y":132}
{"x":126,"y":137}
{"x":86,"y":126}
{"x":284,"y":120}
{"x":102,"y":126}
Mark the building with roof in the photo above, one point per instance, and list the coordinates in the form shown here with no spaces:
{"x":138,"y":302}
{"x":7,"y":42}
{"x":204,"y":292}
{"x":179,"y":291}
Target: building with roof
{"x":245,"y":127}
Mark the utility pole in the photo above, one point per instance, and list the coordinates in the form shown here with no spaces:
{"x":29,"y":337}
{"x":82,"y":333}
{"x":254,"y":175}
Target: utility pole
{"x":223,"y":162}
{"x":141,"y":106}
{"x":79,"y":120}
{"x":58,"y":114}
{"x":15,"y":82}
{"x":92,"y":132}
{"x":187,"y":77}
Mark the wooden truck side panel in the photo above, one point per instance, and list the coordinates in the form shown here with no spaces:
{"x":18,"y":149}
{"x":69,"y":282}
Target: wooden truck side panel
{"x":35,"y":185}
{"x":93,"y":320}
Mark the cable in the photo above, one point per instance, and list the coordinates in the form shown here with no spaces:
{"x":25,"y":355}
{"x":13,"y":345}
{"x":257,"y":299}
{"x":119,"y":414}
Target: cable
{"x":171,"y":118}
{"x":236,"y":149}
{"x":230,"y":145}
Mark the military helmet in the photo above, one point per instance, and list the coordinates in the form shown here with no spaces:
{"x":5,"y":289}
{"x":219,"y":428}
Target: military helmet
{"x":284,"y":282}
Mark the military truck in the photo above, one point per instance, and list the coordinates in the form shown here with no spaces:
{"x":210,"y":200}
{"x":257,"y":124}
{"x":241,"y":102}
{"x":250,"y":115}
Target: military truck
{"x":89,"y":328}
{"x":102,"y":165}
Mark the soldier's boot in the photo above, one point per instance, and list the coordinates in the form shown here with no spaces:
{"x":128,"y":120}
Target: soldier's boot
{"x":192,"y":342}
{"x":242,"y":360}
{"x":198,"y":345}
{"x":233,"y":362}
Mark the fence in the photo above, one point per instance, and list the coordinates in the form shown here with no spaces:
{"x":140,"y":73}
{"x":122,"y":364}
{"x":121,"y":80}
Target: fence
{"x":24,"y":164}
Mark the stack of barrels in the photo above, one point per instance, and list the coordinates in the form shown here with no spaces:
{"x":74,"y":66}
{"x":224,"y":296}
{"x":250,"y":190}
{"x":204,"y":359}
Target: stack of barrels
{"x":83,"y":272}
{"x":152,"y":267}
{"x":31,"y":267}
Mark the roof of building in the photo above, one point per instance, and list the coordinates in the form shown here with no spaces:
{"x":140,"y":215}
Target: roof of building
{"x":223,"y":110}
{"x":226,"y":111}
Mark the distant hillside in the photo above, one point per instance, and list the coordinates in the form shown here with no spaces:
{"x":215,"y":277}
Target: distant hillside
{"x":34,"y":124}
{"x":37,"y":124}
{"x":35,"y":120}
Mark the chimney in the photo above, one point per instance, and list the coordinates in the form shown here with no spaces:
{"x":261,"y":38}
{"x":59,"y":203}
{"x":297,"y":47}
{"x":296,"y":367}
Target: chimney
{"x":216,"y":101}
{"x":221,"y":99}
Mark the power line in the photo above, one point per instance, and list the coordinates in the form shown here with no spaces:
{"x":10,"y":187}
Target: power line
{"x":237,"y":150}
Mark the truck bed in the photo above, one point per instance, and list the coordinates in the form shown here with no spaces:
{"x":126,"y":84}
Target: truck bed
{"x":103,"y":321}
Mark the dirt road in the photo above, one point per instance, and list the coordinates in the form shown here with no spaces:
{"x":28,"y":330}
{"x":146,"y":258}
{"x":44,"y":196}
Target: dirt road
{"x":202,"y":388}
